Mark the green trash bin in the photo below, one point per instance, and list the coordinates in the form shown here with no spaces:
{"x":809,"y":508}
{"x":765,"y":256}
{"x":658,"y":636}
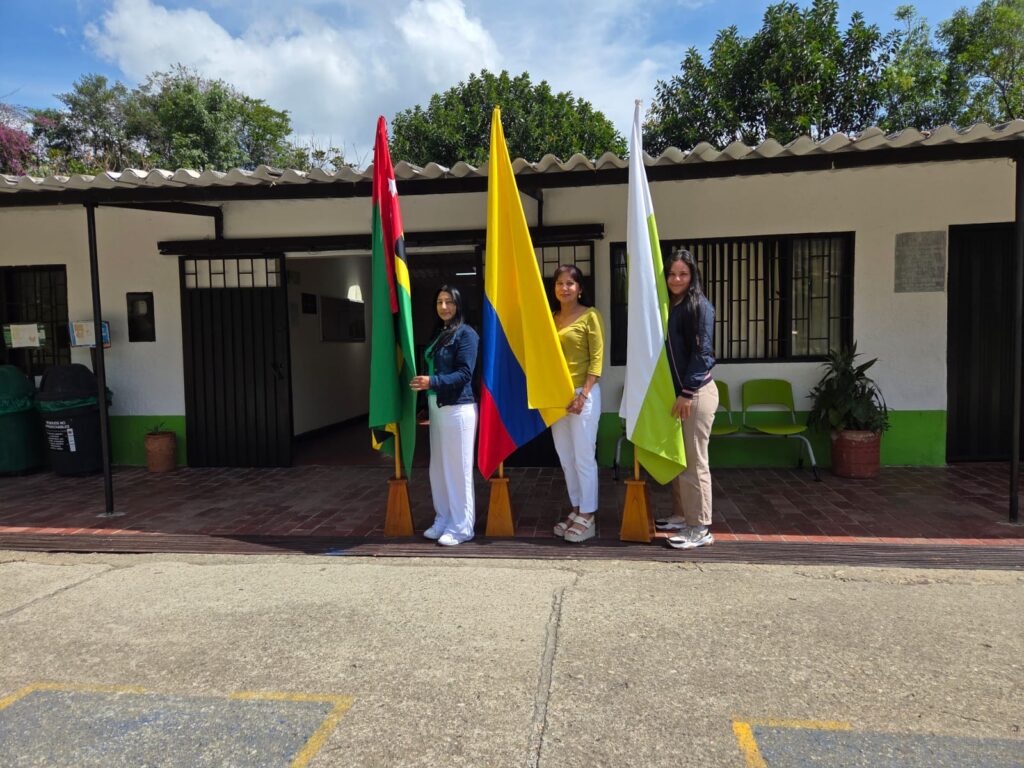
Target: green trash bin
{"x":21,"y":444}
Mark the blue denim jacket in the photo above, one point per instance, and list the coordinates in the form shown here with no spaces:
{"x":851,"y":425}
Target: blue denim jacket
{"x":454,"y":366}
{"x":691,"y":347}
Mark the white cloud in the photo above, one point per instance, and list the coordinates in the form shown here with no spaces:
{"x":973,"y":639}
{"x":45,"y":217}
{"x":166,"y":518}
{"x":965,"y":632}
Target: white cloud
{"x":336,"y":64}
{"x":445,"y":41}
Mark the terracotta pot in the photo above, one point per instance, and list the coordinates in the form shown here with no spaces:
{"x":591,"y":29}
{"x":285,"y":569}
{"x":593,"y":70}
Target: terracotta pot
{"x":161,"y":448}
{"x":856,"y":454}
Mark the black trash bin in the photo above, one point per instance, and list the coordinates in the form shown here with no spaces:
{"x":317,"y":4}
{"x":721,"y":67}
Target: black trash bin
{"x":68,"y":403}
{"x":21,"y":445}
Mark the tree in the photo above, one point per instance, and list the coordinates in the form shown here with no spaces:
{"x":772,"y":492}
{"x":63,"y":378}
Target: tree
{"x":915,"y":84}
{"x":798,"y":74}
{"x":456,"y":124}
{"x":91,"y":134}
{"x":16,"y":146}
{"x":176,"y":119}
{"x":188,"y":121}
{"x":985,"y":56}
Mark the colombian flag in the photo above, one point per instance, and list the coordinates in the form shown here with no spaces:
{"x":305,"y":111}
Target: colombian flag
{"x":392,"y":361}
{"x":526,"y":383}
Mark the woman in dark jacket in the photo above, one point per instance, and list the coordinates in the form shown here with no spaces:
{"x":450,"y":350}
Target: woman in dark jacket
{"x":451,"y":362}
{"x":691,"y":343}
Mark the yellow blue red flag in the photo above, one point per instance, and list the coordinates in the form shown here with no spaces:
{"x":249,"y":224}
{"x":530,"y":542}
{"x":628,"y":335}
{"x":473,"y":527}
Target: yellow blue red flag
{"x":525,"y":381}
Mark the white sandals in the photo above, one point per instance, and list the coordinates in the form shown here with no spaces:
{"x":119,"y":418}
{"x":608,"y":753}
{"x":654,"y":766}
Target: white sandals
{"x":560,"y":529}
{"x":582,"y":528}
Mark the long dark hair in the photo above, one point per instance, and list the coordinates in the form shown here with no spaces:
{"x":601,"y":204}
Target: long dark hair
{"x":574,"y":272}
{"x":441,"y":333}
{"x":694,"y":297}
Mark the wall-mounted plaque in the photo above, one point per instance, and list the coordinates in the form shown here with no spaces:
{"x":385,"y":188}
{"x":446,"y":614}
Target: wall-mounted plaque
{"x":920,"y":262}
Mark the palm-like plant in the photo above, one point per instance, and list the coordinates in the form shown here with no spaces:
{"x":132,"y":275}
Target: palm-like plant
{"x":846,"y":398}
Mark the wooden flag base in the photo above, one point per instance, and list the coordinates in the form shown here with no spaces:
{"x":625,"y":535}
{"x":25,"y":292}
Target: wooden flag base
{"x":499,"y":510}
{"x":398,"y":521}
{"x":637,"y":523}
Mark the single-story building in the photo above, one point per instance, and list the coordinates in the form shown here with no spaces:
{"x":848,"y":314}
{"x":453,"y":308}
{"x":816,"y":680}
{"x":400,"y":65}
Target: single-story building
{"x":236,"y":300}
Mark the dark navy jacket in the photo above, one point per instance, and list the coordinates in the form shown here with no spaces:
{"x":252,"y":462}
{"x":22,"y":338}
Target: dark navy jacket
{"x":691,"y":346}
{"x":454,"y":366}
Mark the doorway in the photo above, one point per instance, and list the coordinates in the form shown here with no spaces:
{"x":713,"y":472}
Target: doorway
{"x":979,"y":378}
{"x":237,"y":361}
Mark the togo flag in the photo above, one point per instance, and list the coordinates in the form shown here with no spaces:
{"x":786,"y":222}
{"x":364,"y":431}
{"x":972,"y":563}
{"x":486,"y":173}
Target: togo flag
{"x":648,"y":394}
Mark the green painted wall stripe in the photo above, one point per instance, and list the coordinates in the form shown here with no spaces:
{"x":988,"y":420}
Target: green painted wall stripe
{"x":915,"y":438}
{"x":127,"y":435}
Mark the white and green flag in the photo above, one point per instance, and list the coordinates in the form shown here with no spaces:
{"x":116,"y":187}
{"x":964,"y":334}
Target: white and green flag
{"x":648,"y":395}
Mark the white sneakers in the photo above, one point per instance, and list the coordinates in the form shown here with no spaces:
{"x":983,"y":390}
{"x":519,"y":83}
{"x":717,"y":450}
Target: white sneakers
{"x":437,"y":533}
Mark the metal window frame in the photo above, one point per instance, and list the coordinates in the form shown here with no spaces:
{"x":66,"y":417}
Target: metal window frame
{"x":777,"y":260}
{"x":49,"y":307}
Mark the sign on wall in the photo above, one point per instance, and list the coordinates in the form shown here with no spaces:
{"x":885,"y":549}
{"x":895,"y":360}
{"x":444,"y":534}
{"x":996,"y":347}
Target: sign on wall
{"x":25,"y":335}
{"x":920,"y":262}
{"x":83,"y":333}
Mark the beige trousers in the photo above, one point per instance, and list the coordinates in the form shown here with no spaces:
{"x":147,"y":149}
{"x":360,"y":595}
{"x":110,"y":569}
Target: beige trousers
{"x":691,"y":490}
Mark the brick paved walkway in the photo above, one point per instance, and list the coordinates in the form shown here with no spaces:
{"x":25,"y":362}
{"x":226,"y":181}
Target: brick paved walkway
{"x":964,"y":504}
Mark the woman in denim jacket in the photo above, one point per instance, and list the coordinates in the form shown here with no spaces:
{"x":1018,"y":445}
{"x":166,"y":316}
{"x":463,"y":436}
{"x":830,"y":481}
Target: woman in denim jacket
{"x":451,"y":362}
{"x":691,"y":343}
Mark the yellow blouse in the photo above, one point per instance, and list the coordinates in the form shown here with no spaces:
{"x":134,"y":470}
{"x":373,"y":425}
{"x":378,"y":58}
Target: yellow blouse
{"x":583,"y":346}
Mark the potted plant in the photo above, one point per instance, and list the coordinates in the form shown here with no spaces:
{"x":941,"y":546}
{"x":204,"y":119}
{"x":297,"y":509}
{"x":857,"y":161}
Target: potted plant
{"x":848,"y":404}
{"x":161,"y":448}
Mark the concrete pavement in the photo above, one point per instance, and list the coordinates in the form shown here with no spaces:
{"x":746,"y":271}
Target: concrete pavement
{"x":518,"y":663}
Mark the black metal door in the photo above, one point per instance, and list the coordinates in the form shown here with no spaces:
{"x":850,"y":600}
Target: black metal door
{"x":237,"y":362}
{"x":979,"y":340}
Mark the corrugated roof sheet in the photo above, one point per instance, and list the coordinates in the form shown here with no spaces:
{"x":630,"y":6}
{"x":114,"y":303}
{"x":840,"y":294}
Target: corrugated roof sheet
{"x":869,"y":140}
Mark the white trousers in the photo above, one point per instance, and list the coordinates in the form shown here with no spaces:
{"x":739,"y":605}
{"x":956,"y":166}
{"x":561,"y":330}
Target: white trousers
{"x":452,"y":433}
{"x":575,"y":439}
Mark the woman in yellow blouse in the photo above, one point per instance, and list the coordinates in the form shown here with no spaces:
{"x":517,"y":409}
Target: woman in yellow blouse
{"x":581,"y":332}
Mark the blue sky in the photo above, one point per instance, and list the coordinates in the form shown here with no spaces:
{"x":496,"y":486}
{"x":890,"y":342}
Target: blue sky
{"x":337,"y":64}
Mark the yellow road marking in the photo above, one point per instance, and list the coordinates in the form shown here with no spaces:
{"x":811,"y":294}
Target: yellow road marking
{"x":817,"y":725}
{"x":87,"y":688}
{"x":748,"y":745}
{"x":744,"y":731}
{"x":301,"y":760}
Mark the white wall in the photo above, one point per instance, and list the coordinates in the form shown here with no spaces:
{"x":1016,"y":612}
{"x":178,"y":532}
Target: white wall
{"x":330,"y":380}
{"x":906,"y":331}
{"x":146,"y":377}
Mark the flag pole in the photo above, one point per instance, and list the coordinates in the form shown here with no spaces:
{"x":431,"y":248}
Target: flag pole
{"x":499,"y":508}
{"x":398,"y":456}
{"x":637,"y":521}
{"x":398,"y":518}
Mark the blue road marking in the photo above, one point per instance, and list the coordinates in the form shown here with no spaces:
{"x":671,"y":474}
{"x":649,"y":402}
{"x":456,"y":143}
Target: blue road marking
{"x":805,"y":747}
{"x":108,"y":730}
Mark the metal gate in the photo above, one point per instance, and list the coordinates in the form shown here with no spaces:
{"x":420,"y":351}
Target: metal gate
{"x":237,"y":362}
{"x":979,"y":362}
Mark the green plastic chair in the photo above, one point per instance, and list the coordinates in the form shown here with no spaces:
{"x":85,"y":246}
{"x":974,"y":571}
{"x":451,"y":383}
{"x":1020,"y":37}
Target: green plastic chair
{"x":726,"y":426}
{"x":776,"y":394}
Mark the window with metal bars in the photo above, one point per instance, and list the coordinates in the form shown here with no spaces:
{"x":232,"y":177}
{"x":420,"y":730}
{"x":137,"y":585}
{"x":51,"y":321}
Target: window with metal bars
{"x":36,"y":294}
{"x":787,"y":297}
{"x":246,"y":272}
{"x":581,"y":255}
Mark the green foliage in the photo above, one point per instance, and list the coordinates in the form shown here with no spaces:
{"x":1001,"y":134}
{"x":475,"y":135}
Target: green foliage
{"x":188,"y":121}
{"x":846,"y":398}
{"x":801,"y":74}
{"x":175,"y":119}
{"x":985,"y":55}
{"x":915,"y":83}
{"x":92,"y":133}
{"x":456,"y":124}
{"x":798,"y":74}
